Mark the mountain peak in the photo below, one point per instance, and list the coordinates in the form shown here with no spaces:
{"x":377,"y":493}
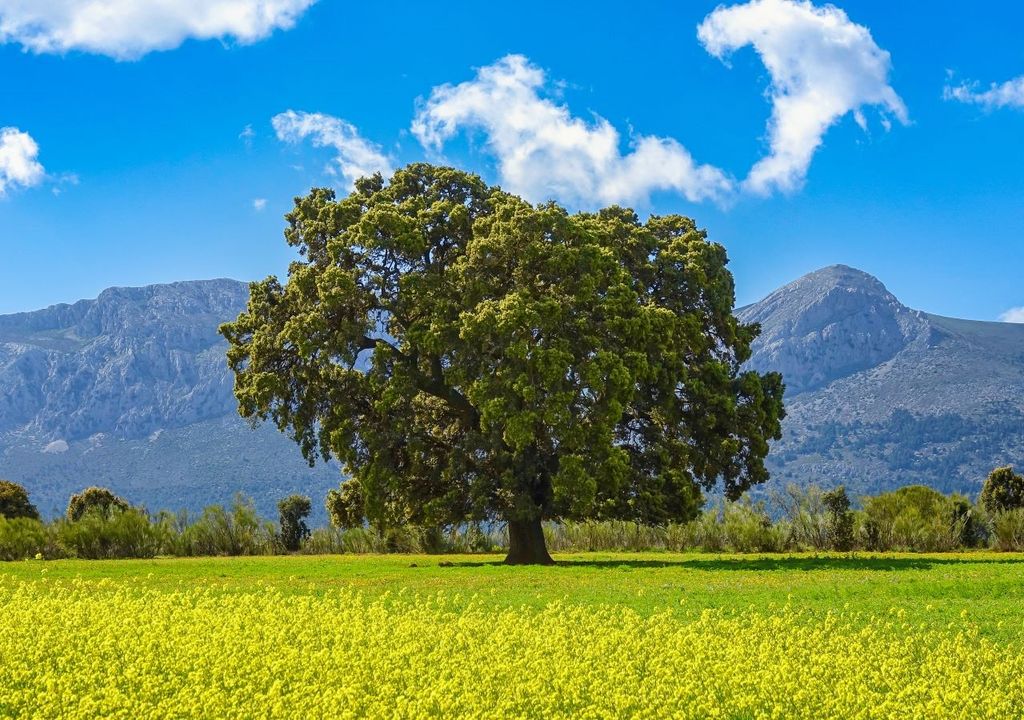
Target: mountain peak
{"x":827,"y":324}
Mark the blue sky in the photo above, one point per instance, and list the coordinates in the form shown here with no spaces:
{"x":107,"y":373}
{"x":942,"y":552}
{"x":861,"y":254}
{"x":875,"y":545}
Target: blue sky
{"x":146,"y":150}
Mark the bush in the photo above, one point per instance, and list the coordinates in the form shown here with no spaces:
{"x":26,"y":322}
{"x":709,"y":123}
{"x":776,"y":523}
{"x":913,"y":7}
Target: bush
{"x":840,"y":519}
{"x":1003,"y":490}
{"x":24,"y":537}
{"x":592,"y":536}
{"x":220,"y":532}
{"x":1008,"y":530}
{"x":915,"y":518}
{"x":805,"y":511}
{"x":14,"y":502}
{"x":111,"y":533}
{"x":94,"y":499}
{"x":293,"y":511}
{"x":748,"y":528}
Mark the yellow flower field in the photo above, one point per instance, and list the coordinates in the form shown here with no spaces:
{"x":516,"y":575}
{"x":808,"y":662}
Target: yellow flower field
{"x":86,"y":649}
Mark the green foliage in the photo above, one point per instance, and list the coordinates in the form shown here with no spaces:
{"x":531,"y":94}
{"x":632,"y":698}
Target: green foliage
{"x":22,"y":538}
{"x":970,"y":520}
{"x":345,"y":506}
{"x":1003,"y":490}
{"x":94,"y":499}
{"x":238,"y":531}
{"x":1008,"y":530}
{"x":293,"y":511}
{"x":108,"y":532}
{"x":840,"y":519}
{"x":915,"y":518}
{"x":14,"y":502}
{"x":806,"y":514}
{"x":469,"y":356}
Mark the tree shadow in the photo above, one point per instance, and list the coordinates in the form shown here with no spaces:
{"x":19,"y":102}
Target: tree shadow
{"x":763,"y":563}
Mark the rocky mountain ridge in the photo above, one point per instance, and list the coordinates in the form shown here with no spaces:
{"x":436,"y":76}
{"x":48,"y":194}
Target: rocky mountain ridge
{"x":880,"y":395}
{"x":132,"y":390}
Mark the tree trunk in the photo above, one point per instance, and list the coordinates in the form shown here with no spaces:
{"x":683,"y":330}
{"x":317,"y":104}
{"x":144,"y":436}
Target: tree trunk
{"x":526,"y":544}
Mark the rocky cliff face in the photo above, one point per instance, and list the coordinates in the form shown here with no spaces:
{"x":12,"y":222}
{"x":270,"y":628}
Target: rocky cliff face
{"x":830,"y":324}
{"x":879,"y":395}
{"x":131,"y":362}
{"x":129,"y":378}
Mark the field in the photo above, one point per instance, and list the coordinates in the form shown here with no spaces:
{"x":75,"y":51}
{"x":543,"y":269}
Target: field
{"x":600,"y":635}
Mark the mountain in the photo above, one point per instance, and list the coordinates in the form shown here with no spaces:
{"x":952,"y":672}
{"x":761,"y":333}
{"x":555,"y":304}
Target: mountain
{"x":132,"y":391}
{"x":879,"y":395}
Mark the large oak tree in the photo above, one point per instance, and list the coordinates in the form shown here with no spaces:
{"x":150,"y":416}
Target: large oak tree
{"x":468,"y":356}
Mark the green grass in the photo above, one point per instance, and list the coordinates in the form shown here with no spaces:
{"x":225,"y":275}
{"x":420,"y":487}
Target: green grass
{"x":933,"y":590}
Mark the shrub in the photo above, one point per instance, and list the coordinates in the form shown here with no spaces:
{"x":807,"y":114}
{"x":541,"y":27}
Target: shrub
{"x":1003,"y":490}
{"x":805,"y":511}
{"x":971,"y":521}
{"x":217,"y":531}
{"x":25,"y":537}
{"x":293,"y":511}
{"x":94,"y":498}
{"x":592,"y":536}
{"x":915,"y":518}
{"x":1008,"y":530}
{"x":110,"y":533}
{"x":14,"y":502}
{"x":840,"y":519}
{"x":748,"y":528}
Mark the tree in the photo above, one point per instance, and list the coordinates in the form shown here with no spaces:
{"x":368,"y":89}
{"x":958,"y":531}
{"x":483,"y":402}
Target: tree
{"x":469,"y":356}
{"x":293,"y":511}
{"x":14,"y":502}
{"x":1003,"y":490}
{"x":94,"y":499}
{"x":840,"y":519}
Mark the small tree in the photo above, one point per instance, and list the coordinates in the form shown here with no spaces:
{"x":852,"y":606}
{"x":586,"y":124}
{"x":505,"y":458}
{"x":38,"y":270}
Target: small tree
{"x":94,"y":499}
{"x":294,"y":510}
{"x":14,"y":502}
{"x":1003,"y":490}
{"x":840,"y":519}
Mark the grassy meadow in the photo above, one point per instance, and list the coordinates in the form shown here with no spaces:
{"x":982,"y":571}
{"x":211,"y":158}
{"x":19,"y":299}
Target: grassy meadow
{"x":598,"y":635}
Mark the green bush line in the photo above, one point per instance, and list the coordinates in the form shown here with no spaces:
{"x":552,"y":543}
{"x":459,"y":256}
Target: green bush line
{"x":914,"y":519}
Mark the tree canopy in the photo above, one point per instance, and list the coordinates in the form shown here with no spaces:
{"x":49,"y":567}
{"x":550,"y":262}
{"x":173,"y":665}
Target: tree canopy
{"x":467,"y":355}
{"x":94,"y":499}
{"x":1003,"y":490}
{"x":14,"y":502}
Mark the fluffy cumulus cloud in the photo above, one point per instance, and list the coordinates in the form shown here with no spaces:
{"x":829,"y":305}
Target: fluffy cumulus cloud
{"x":19,"y":166}
{"x":543,"y":151}
{"x":822,"y":67}
{"x":1013,"y":315}
{"x":128,"y":29}
{"x":1007,"y":94}
{"x":356,"y":157}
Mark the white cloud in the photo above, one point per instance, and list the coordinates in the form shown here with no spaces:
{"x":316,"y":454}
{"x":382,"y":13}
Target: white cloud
{"x":1013,"y":315}
{"x":19,"y":166}
{"x":356,"y":158}
{"x":543,"y":151}
{"x":259,"y":204}
{"x":822,"y":67}
{"x":128,"y":29}
{"x":1007,"y":94}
